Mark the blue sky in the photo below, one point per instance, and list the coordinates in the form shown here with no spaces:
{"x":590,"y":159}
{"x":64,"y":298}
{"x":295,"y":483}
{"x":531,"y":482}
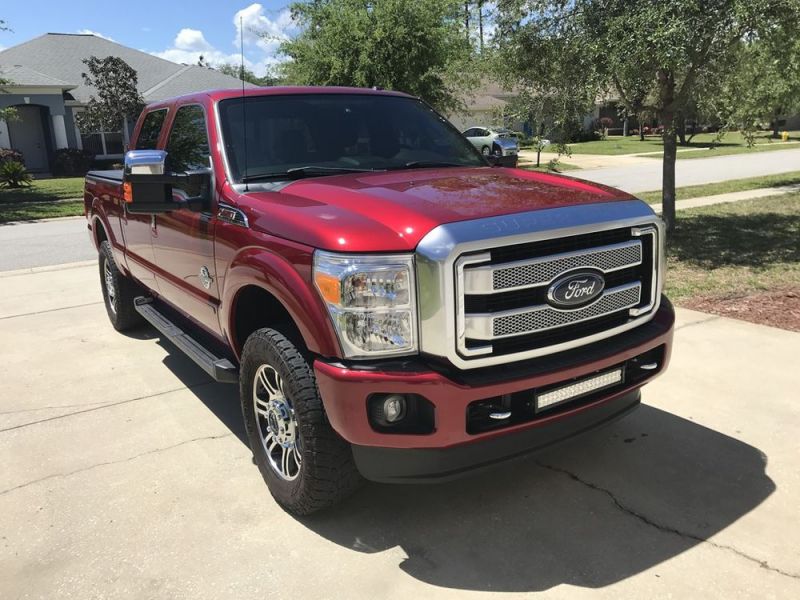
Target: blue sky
{"x":175,"y":30}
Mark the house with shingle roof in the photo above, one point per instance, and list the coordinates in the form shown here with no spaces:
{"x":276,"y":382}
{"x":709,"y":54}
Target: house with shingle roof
{"x":45,"y":85}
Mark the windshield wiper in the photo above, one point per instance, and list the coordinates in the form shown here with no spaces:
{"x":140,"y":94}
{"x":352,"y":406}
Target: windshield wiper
{"x":306,"y":171}
{"x":426,"y":164}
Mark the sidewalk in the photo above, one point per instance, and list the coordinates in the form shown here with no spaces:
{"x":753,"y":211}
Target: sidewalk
{"x":731,"y":197}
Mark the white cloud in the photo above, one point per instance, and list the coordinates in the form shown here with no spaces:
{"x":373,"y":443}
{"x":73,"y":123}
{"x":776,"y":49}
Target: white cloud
{"x":191,"y":40}
{"x":97,"y":33}
{"x":262,"y":36}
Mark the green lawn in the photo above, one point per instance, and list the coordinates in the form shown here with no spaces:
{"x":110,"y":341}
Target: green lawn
{"x":544,"y":169}
{"x":735,"y":249}
{"x":731,"y":143}
{"x":734,"y":185}
{"x":45,"y":198}
{"x":31,"y":211}
{"x":44,"y":190}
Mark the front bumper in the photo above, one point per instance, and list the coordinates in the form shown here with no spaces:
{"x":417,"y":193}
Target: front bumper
{"x":450,"y":449}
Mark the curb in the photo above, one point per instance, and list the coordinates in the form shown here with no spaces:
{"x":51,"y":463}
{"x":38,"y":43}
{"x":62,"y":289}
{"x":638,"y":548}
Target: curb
{"x":48,"y":268}
{"x":46,"y":220}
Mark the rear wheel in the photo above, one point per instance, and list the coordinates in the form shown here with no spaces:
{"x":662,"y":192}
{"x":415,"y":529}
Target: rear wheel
{"x":485,"y":150}
{"x":119,"y":291}
{"x":305,"y":464}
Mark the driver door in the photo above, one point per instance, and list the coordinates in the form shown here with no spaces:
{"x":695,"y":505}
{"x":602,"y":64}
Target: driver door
{"x":183,"y":239}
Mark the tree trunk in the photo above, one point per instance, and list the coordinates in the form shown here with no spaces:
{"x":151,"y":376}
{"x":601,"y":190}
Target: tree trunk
{"x":680,"y":126}
{"x":667,"y":102}
{"x":775,"y":132}
{"x":668,"y":178}
{"x":625,"y":126}
{"x":640,"y":118}
{"x":466,"y":18}
{"x":480,"y":23}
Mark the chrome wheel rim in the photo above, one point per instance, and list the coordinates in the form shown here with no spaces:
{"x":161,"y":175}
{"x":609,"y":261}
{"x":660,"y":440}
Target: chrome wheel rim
{"x":276,"y":423}
{"x":485,"y":151}
{"x":109,"y":282}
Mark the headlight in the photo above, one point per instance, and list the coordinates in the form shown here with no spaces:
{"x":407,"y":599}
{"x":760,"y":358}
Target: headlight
{"x":371,"y":300}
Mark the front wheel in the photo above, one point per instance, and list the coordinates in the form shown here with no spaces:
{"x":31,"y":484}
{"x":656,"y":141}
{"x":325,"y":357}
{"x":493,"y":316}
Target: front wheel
{"x":305,"y":464}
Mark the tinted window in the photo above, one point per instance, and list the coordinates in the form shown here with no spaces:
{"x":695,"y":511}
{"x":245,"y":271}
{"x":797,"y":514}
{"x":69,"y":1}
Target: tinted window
{"x":151,"y":127}
{"x":348,"y":131}
{"x":187,"y":146}
{"x":470,"y":132}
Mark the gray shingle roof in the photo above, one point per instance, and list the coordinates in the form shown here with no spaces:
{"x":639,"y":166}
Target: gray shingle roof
{"x":60,"y":56}
{"x":18,"y":75}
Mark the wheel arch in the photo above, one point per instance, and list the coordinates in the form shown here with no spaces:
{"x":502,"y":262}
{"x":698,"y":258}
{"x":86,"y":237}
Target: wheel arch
{"x":262,"y":289}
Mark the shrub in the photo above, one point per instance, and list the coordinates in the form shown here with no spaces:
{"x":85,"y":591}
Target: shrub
{"x":9,"y":154}
{"x":13,"y":174}
{"x":71,"y":162}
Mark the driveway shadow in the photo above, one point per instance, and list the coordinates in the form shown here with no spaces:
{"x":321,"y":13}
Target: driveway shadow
{"x":222,"y":399}
{"x":589,"y":513}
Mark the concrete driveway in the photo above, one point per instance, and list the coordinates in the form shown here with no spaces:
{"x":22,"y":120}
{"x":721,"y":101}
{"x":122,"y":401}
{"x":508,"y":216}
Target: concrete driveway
{"x":125,"y":475}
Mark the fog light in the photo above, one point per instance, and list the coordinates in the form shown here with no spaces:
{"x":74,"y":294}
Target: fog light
{"x":394,"y":408}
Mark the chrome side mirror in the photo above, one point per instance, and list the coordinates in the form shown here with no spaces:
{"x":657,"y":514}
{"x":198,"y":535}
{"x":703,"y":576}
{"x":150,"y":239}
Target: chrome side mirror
{"x":145,"y":162}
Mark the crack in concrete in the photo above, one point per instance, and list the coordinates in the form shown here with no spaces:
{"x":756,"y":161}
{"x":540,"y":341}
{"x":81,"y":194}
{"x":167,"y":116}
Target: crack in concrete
{"x":94,"y":408}
{"x":48,"y":310}
{"x":665,"y":528}
{"x":114,"y":462}
{"x":56,"y":407}
{"x":708,"y":320}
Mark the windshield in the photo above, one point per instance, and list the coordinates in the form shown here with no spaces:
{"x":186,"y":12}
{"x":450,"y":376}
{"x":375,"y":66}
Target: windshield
{"x":324,"y":134}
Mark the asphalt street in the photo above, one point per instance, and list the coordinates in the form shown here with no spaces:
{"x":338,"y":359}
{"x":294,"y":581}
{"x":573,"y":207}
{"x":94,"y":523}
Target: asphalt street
{"x":125,"y":476}
{"x":52,"y":242}
{"x":62,"y":241}
{"x":646,"y":176}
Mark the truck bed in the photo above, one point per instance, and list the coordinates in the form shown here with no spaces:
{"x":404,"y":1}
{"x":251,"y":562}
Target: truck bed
{"x":110,"y":175}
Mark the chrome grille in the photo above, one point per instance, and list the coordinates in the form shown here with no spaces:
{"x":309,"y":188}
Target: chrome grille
{"x":541,"y":318}
{"x":544,"y":270}
{"x":503,"y":304}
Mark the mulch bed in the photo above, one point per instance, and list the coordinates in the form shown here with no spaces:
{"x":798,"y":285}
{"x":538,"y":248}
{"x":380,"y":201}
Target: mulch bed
{"x":778,"y":308}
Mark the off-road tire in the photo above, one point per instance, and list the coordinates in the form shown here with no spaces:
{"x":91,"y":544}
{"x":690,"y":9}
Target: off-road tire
{"x":122,"y":313}
{"x":327,"y":474}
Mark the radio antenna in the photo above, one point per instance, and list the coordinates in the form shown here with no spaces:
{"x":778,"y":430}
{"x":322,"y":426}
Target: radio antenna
{"x":244,"y":104}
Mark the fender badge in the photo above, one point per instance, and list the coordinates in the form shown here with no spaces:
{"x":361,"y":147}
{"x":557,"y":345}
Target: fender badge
{"x":205,"y":277}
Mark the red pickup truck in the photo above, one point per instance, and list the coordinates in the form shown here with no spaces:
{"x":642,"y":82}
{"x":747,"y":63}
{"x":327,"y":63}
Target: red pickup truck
{"x":393,"y":305}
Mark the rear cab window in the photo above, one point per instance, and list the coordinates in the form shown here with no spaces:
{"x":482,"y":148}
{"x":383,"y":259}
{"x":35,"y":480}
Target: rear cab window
{"x":151,"y":129}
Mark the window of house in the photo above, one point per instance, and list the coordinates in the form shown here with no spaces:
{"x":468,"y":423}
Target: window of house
{"x":102,"y":143}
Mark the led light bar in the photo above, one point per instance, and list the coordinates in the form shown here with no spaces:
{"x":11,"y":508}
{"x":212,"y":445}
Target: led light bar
{"x":578,"y":389}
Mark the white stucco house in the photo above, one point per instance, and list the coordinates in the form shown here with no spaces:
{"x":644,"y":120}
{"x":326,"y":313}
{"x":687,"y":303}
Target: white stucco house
{"x":46,"y":87}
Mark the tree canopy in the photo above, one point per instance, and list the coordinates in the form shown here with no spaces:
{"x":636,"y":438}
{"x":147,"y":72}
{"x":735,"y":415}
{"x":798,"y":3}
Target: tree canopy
{"x":244,"y":73}
{"x":658,"y":56}
{"x":414,"y":46}
{"x":115,"y":83}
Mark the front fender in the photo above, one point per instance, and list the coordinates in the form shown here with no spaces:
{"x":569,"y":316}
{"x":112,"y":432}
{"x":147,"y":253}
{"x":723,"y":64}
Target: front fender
{"x":279,"y":277}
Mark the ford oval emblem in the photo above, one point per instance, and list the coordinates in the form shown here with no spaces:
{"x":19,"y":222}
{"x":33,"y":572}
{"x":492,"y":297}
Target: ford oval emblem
{"x":575,"y":289}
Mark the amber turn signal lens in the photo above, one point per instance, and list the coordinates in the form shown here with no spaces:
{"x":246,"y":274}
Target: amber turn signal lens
{"x":127,"y":192}
{"x":329,"y":286}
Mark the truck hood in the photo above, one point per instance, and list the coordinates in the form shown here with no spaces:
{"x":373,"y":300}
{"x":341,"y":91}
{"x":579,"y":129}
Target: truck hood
{"x":393,"y":211}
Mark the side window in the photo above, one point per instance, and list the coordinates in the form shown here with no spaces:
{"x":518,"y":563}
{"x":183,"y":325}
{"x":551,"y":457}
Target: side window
{"x":151,"y":127}
{"x":469,"y":132}
{"x":187,"y":146}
